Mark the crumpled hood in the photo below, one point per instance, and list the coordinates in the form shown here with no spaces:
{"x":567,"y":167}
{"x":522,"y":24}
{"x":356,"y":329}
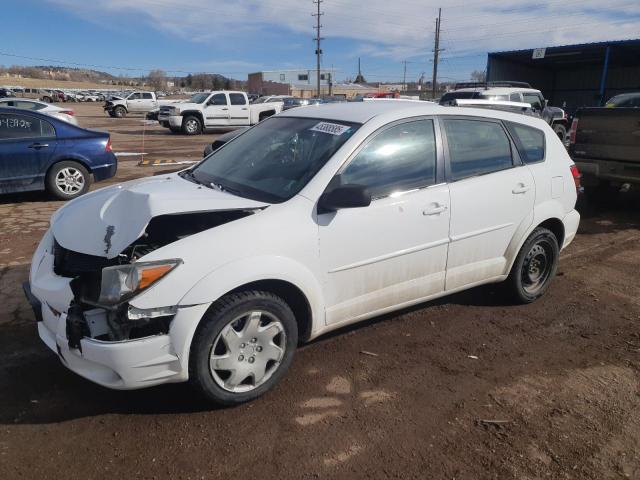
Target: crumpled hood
{"x":106,"y":221}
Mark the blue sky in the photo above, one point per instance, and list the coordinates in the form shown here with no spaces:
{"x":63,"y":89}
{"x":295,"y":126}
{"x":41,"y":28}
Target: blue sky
{"x":241,"y":36}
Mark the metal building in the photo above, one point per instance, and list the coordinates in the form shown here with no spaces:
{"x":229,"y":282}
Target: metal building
{"x":573,"y":76}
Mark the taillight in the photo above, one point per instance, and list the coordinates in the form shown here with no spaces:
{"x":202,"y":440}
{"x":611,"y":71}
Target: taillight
{"x":572,"y":132}
{"x":107,"y":147}
{"x":575,"y":173}
{"x":68,"y":112}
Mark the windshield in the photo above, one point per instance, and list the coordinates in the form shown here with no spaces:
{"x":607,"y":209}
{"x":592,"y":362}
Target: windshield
{"x":198,"y":97}
{"x":274,"y":160}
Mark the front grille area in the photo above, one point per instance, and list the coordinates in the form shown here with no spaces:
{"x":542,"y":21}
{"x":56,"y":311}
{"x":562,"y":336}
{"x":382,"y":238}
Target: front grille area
{"x":68,"y":263}
{"x":165,"y":110}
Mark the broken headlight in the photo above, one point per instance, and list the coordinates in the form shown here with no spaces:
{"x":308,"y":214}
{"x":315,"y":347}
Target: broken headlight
{"x":120,"y":283}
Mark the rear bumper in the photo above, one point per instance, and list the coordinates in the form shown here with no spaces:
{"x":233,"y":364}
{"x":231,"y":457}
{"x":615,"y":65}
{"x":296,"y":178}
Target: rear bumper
{"x":594,"y":171}
{"x":571,"y":223}
{"x":107,"y":169}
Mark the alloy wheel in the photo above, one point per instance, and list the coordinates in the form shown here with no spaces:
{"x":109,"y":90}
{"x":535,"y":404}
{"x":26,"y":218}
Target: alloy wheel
{"x":70,"y":181}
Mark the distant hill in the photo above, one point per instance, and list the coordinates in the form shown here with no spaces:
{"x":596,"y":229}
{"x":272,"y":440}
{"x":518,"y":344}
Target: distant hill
{"x":158,"y":78}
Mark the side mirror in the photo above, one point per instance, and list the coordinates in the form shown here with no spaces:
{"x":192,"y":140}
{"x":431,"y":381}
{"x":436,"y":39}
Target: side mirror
{"x":344,"y":196}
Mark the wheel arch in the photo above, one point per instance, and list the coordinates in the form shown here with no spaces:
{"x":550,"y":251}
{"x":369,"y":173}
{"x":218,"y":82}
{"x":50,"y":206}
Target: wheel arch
{"x":551,"y":222}
{"x":292,"y":295}
{"x":195,"y":113}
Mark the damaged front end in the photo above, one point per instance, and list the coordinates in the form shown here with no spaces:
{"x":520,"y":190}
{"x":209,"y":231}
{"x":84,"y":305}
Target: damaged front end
{"x":102,"y":287}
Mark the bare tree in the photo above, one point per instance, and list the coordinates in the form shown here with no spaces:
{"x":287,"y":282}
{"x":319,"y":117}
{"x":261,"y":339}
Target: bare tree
{"x":479,"y":76}
{"x":157,"y":79}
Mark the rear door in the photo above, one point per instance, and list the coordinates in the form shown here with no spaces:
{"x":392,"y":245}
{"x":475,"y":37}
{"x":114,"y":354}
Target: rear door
{"x":147,"y":102}
{"x":238,"y":109}
{"x":492,"y":199}
{"x":216,"y":111}
{"x":26,"y":146}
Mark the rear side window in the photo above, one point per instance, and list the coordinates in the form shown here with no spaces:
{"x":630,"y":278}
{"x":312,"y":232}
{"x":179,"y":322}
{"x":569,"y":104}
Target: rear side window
{"x":14,"y":127}
{"x":237,"y":99}
{"x":476,"y":147}
{"x":147,"y":96}
{"x":399,"y":159}
{"x":529,"y":142}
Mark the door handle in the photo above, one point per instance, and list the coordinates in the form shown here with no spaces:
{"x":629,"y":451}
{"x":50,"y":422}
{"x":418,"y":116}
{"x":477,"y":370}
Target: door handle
{"x":245,"y":108}
{"x":225,"y":109}
{"x":520,"y":188}
{"x":38,"y":146}
{"x":436,"y":210}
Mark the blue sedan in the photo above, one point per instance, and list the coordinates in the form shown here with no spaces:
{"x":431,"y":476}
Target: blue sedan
{"x":40,"y":152}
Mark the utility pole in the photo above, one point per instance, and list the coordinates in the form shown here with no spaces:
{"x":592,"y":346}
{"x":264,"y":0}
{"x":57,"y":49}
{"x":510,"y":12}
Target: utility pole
{"x":317,"y":40}
{"x":436,"y":53}
{"x":404,"y":77}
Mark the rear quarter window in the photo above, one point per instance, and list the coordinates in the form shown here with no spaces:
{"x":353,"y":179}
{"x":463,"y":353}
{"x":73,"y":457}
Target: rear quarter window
{"x":529,"y":141}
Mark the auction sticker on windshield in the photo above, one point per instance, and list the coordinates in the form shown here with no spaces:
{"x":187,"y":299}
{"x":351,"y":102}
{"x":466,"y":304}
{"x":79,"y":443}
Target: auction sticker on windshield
{"x":332,"y":128}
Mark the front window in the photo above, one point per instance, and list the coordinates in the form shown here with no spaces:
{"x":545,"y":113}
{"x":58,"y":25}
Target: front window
{"x":198,"y":98}
{"x":274,"y":160}
{"x":218,"y":99}
{"x":533,"y":100}
{"x":400,"y":159}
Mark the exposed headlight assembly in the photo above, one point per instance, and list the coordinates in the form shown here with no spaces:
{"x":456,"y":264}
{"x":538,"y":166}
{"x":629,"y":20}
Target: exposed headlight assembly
{"x":122,"y":282}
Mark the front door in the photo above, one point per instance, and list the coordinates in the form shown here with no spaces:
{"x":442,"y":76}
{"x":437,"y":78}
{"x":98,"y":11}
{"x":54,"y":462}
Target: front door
{"x":135,"y":102}
{"x":26,"y":145}
{"x":216,"y":112}
{"x":492,"y":199}
{"x":394,"y":251}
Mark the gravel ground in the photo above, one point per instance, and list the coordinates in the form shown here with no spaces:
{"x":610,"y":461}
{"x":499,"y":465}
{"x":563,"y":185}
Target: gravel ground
{"x":467,"y":387}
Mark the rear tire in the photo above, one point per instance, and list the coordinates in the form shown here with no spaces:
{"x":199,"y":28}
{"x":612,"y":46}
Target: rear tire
{"x":191,"y":125}
{"x":243,"y":347}
{"x":68,"y":180}
{"x":561,"y":131}
{"x":534,"y":267}
{"x":120,"y":112}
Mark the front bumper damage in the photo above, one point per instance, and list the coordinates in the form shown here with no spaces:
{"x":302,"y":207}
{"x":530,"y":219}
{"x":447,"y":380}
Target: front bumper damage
{"x":80,"y":336}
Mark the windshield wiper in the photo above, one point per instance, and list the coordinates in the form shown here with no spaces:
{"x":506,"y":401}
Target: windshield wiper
{"x":192,"y":177}
{"x":224,"y":188}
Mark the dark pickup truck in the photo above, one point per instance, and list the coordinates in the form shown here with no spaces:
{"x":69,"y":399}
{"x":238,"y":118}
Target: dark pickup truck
{"x":605,"y":145}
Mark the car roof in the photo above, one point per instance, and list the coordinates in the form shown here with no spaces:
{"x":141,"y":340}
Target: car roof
{"x":392,"y":110}
{"x":497,"y":90}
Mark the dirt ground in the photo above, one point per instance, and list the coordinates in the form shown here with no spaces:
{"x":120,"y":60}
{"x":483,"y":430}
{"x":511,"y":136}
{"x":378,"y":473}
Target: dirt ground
{"x":468,"y":387}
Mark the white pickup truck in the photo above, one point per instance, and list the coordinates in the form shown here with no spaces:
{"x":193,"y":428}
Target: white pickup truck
{"x":135,"y":102}
{"x":214,"y":110}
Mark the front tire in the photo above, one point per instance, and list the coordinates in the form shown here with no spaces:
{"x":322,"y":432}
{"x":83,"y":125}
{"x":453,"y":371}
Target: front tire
{"x":561,"y":132}
{"x":120,"y":112}
{"x":243,"y":347}
{"x":68,"y":180}
{"x":534,"y":267}
{"x":191,"y":125}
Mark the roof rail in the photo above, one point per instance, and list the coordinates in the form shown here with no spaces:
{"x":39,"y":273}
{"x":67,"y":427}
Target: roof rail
{"x":501,"y":83}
